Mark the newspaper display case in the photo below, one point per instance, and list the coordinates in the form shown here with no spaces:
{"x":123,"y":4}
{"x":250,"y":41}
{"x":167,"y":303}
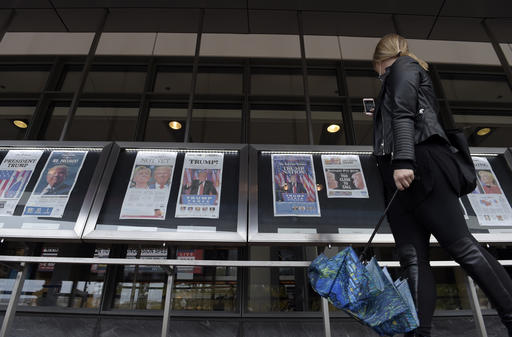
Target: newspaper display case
{"x":109,"y":219}
{"x":351,"y":220}
{"x":33,"y":209}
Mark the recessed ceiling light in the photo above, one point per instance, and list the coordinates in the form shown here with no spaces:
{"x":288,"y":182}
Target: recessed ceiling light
{"x":333,"y":128}
{"x":175,"y":125}
{"x":20,"y":124}
{"x":483,"y":131}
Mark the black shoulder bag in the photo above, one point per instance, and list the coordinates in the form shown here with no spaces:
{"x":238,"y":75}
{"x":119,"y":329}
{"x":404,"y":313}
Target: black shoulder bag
{"x":460,"y":148}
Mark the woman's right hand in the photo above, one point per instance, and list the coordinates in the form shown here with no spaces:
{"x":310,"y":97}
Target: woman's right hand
{"x":403,"y":178}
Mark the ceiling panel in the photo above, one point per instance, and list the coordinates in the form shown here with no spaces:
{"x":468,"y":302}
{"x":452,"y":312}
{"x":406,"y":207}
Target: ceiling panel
{"x":36,"y":20}
{"x":226,"y":21}
{"x":347,"y":24}
{"x":273,"y":22}
{"x":414,"y":26}
{"x":153,"y":20}
{"x":478,"y":8}
{"x":459,"y":29}
{"x":81,"y":20}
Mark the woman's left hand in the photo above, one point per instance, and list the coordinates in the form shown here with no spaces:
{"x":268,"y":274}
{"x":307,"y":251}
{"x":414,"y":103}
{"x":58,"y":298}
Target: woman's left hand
{"x":403,"y":178}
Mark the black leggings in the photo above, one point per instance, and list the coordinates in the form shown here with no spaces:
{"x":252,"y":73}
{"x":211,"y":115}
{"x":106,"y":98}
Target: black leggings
{"x":419,"y":212}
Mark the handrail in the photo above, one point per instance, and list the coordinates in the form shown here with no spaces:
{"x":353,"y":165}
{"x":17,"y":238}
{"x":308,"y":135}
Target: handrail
{"x":202,"y":263}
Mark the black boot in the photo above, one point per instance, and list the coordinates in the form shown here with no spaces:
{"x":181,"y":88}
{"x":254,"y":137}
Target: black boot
{"x":490,"y":276}
{"x":410,"y":264}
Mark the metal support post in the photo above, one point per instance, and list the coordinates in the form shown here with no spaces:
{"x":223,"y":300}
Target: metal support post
{"x":168,"y":300}
{"x":325,"y":314}
{"x":13,"y":301}
{"x":83,"y":77}
{"x":305,"y":78}
{"x":475,"y":307}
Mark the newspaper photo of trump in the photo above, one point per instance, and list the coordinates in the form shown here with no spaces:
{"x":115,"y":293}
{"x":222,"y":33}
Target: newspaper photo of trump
{"x":15,"y":172}
{"x":149,"y":187}
{"x":344,"y":176}
{"x":294,"y":186}
{"x":55,"y":184}
{"x":488,"y":200}
{"x":201,"y":182}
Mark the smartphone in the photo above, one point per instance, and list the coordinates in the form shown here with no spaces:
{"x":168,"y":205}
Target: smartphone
{"x":369,"y":106}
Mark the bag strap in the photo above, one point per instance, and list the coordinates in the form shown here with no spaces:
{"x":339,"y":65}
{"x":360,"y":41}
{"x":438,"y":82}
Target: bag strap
{"x":367,"y":247}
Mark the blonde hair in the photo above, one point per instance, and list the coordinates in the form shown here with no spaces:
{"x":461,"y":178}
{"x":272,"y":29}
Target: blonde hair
{"x":393,"y":45}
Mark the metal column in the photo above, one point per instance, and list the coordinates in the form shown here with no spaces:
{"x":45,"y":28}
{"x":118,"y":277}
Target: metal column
{"x":325,"y":314}
{"x":305,"y":78}
{"x":194,"y":78}
{"x":13,"y":301}
{"x":475,"y":307}
{"x":83,"y":78}
{"x":168,"y":301}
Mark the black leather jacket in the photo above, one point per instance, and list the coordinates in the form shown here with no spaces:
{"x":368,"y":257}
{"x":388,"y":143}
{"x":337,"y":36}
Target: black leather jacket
{"x":406,"y":112}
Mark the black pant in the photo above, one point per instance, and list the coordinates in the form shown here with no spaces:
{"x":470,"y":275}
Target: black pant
{"x":429,"y":206}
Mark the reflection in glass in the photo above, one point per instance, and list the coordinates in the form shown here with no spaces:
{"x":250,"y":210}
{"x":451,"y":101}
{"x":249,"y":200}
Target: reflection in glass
{"x":158,"y":128}
{"x":9,"y":114}
{"x":23,"y":81}
{"x":281,"y":289}
{"x":58,"y":285}
{"x":321,"y":121}
{"x":142,"y":287}
{"x":94,"y":123}
{"x":216,"y":126}
{"x":106,"y":81}
{"x":278,"y":127}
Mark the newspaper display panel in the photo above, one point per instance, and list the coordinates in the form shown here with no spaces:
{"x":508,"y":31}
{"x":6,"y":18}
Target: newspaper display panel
{"x":149,"y":187}
{"x":488,"y":200}
{"x":200,"y":188}
{"x":55,"y":184}
{"x":294,"y":185}
{"x":344,"y":176}
{"x":15,"y":172}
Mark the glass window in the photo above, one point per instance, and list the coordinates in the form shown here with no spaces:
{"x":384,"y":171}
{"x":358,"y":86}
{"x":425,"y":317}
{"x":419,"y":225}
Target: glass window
{"x":95,"y":123}
{"x":495,"y":130}
{"x":173,"y":80}
{"x":277,"y":84}
{"x":106,"y":81}
{"x":22,"y":81}
{"x":216,"y":126}
{"x":328,"y":127}
{"x":158,"y":128}
{"x":278,"y":127}
{"x":281,"y":289}
{"x":142,"y":287}
{"x":206,"y":288}
{"x":59,"y":285}
{"x":363,"y":84}
{"x":210,"y":83}
{"x":323,"y":85}
{"x":476,"y":88}
{"x":14,"y":121}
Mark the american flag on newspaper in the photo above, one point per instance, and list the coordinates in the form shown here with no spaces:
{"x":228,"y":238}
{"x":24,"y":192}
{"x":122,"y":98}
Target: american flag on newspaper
{"x":295,"y":192}
{"x":6,"y":177}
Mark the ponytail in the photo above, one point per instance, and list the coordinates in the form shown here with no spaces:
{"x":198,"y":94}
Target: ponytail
{"x":393,"y":45}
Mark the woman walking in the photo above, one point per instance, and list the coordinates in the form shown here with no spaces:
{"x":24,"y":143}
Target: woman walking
{"x":414,"y":155}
